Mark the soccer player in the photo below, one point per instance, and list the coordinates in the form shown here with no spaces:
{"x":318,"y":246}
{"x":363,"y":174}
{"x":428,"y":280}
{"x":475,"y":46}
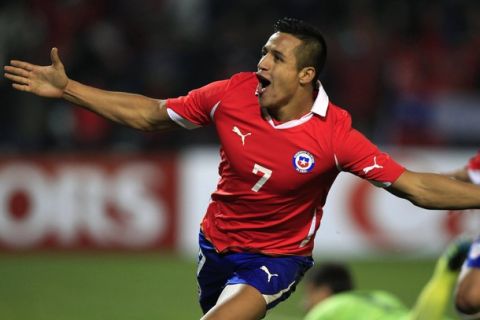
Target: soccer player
{"x":283,"y":143}
{"x":330,"y":294}
{"x":467,"y":295}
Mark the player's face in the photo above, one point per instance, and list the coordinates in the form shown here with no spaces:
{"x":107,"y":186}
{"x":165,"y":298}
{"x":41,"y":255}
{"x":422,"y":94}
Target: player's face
{"x":278,"y":73}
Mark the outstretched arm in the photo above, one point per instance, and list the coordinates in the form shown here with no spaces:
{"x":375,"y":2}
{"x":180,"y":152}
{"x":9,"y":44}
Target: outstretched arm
{"x":436,"y":191}
{"x":51,"y":81}
{"x":460,"y":174}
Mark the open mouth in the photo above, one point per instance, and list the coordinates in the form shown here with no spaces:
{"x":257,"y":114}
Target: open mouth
{"x":263,"y":83}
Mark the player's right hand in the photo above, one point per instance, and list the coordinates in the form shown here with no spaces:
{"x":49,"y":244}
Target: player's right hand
{"x":46,"y":81}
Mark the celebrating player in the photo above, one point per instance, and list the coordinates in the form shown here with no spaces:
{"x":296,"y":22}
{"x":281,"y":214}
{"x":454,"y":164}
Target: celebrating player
{"x":283,"y":143}
{"x":330,"y":294}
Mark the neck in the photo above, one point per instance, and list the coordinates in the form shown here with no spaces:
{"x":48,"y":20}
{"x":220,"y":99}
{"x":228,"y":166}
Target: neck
{"x":297,"y":107}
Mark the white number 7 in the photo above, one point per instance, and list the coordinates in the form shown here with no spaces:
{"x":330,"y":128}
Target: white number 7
{"x":267,"y":173}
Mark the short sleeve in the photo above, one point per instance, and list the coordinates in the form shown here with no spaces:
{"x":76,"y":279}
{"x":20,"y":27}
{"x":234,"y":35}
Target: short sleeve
{"x":198,"y":107}
{"x":356,"y":154}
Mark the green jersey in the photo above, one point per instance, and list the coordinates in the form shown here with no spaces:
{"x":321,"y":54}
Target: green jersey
{"x":359,"y":305}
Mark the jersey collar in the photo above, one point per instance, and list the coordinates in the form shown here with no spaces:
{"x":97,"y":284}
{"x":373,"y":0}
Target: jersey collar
{"x":320,"y":105}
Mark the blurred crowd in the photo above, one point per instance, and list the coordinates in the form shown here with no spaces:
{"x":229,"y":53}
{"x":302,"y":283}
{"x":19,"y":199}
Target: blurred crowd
{"x":408,"y":71}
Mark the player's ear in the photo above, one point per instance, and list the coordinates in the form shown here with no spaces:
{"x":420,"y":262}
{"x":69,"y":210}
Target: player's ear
{"x":306,"y":75}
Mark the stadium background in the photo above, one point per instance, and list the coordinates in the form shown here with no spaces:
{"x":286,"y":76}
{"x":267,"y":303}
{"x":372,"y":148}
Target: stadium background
{"x":99,"y":221}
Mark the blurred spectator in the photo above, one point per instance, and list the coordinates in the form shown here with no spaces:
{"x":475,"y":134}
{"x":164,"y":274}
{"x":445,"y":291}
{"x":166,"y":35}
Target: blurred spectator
{"x":408,"y":71}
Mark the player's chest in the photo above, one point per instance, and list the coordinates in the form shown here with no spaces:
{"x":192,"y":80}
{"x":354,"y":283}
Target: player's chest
{"x":289,"y":158}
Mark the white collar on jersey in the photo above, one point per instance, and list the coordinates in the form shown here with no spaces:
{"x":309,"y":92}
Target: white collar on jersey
{"x":320,"y":106}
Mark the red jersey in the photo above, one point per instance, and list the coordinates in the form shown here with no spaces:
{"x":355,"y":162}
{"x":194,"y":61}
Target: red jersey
{"x":473,"y":168}
{"x":274,"y":178}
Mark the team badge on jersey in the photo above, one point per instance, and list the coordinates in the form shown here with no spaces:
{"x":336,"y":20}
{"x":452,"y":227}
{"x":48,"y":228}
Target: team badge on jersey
{"x":303,"y":161}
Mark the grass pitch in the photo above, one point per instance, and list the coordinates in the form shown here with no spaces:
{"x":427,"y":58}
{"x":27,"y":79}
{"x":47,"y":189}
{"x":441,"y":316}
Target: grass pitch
{"x":100,"y":286}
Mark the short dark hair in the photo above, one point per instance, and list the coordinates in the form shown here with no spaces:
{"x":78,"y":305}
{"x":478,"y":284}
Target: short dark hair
{"x":313,"y":51}
{"x":334,"y":275}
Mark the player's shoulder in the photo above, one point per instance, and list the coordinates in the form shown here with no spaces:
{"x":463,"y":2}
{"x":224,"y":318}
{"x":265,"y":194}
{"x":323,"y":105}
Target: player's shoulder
{"x":381,"y":295}
{"x":336,"y":110}
{"x":336,"y":115}
{"x":233,"y":85}
{"x":240,"y":86}
{"x":243,"y":76}
{"x":242,"y":79}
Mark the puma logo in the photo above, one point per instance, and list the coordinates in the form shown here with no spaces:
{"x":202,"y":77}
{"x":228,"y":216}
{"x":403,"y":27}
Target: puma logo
{"x":243,"y":136}
{"x":374,"y":166}
{"x":270,"y":275}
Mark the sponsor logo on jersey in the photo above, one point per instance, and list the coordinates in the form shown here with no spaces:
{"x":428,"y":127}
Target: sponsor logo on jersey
{"x":242,"y":136}
{"x":373,"y":166}
{"x":303,"y":161}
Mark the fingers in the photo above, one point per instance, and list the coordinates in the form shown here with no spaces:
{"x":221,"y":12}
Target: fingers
{"x":17,"y":79}
{"x":19,"y":82}
{"x":21,"y":87}
{"x":17,"y":71}
{"x":22,"y":64}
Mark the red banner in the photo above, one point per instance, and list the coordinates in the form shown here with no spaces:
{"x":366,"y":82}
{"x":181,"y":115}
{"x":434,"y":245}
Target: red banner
{"x":88,"y":202}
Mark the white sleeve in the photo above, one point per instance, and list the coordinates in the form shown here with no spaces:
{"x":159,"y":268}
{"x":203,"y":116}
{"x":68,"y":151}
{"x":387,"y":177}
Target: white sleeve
{"x":180,"y":120}
{"x":474,"y":175}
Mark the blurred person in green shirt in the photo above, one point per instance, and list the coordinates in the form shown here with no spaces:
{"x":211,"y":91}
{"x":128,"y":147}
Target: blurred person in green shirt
{"x":330,"y":293}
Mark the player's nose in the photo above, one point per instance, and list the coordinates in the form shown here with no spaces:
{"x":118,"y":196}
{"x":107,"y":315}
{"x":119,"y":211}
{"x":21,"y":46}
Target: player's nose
{"x":263,"y":63}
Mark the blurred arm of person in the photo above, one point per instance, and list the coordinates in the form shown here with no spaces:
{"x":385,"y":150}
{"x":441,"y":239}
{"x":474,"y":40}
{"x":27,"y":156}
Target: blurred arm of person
{"x":133,"y":110}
